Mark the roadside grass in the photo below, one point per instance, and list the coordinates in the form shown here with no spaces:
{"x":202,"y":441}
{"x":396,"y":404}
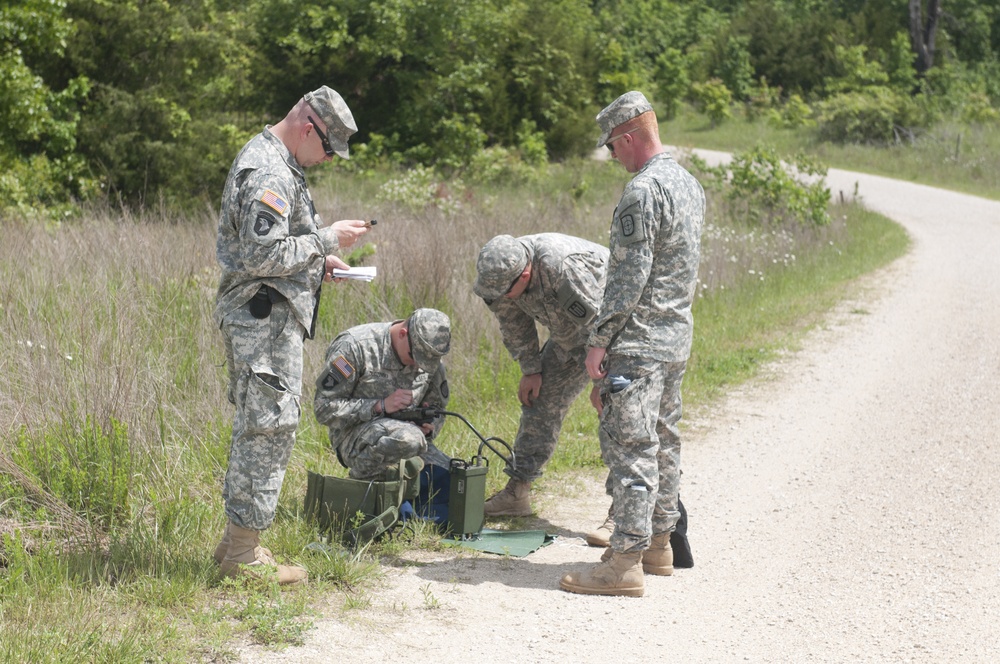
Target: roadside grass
{"x":950,"y":155}
{"x":115,"y":424}
{"x":758,"y":317}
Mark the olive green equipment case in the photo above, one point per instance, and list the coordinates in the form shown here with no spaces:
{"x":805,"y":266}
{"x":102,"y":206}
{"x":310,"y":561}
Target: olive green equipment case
{"x":362,"y":509}
{"x":365,"y":509}
{"x":467,"y":497}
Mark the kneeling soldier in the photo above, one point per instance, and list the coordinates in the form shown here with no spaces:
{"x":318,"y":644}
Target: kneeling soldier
{"x":373,"y":371}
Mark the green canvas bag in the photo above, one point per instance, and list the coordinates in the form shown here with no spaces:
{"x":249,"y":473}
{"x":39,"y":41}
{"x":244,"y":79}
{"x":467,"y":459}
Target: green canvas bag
{"x":362,"y":510}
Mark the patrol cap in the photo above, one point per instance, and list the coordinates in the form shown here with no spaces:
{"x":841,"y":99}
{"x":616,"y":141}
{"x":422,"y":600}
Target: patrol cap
{"x":333,"y":112}
{"x":629,"y":105}
{"x":500,"y":262}
{"x":429,"y":332}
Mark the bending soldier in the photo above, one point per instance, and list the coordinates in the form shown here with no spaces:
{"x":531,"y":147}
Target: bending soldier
{"x":556,"y":280}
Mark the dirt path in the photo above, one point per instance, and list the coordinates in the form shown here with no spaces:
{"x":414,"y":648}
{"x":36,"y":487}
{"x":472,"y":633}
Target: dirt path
{"x":845,"y":507}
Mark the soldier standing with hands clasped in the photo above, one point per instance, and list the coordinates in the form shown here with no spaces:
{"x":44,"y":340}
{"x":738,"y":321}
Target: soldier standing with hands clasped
{"x":639,"y":346}
{"x":274,"y":253}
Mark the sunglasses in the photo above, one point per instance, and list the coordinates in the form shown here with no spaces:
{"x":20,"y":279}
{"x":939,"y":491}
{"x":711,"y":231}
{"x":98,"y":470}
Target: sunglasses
{"x":513,"y":283}
{"x":608,"y":143}
{"x":409,"y":338}
{"x":327,"y":148}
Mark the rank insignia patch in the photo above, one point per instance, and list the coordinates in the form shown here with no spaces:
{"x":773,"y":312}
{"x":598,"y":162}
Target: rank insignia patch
{"x":341,"y":364}
{"x":274,"y":201}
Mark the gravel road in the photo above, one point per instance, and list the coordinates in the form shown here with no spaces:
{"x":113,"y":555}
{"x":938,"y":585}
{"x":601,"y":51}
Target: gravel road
{"x":844,"y":507}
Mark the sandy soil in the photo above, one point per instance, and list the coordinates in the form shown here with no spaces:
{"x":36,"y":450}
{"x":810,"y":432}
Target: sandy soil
{"x":844,"y":507}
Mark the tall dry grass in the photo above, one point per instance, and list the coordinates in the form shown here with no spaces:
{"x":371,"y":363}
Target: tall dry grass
{"x":114,"y":423}
{"x":108,"y":319}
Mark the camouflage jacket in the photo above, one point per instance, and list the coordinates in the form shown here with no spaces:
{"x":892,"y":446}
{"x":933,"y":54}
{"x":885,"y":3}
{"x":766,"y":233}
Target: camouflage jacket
{"x":567,"y":281}
{"x":269,"y":232}
{"x":361,"y":367}
{"x":655,"y":242}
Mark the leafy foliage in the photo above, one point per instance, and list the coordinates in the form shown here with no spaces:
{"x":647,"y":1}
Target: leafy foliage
{"x":714,"y":98}
{"x":763,"y":188}
{"x":89,"y":468}
{"x":145,"y":101}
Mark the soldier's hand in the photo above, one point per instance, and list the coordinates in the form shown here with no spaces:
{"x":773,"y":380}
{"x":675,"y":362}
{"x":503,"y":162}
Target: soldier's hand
{"x":398,"y":400}
{"x":331,"y":263}
{"x":527,"y":391}
{"x":595,"y":400}
{"x":349,"y":230}
{"x":595,"y":363}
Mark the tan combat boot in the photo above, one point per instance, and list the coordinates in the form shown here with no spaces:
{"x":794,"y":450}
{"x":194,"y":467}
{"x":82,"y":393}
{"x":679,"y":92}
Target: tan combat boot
{"x":223,"y":546}
{"x":620,"y":574}
{"x":602,"y":536}
{"x":513,"y":500}
{"x":246,"y":557}
{"x":658,"y":559}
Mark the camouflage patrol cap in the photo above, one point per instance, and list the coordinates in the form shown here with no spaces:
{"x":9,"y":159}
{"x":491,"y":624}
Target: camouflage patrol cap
{"x":629,"y":105}
{"x":333,"y":112}
{"x":500,"y":262}
{"x":429,"y":332}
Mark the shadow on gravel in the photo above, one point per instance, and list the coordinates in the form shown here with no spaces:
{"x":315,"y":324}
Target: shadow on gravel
{"x":511,"y":572}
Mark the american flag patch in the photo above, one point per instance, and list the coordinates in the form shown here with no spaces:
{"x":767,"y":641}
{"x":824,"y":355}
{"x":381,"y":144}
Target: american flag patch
{"x":343,"y":366}
{"x":274,"y":201}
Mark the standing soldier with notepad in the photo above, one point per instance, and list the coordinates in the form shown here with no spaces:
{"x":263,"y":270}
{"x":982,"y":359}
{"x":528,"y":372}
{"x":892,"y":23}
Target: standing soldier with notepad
{"x":274,"y":252}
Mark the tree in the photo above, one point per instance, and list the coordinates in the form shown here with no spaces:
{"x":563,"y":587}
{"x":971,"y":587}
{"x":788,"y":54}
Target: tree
{"x":923,"y":36}
{"x":39,"y":120}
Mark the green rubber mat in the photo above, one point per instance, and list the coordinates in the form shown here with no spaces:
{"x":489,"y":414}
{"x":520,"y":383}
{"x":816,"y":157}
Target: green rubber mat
{"x":517,"y":543}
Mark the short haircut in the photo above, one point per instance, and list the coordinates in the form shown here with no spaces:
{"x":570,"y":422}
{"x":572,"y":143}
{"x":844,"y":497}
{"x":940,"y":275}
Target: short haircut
{"x":645,"y":124}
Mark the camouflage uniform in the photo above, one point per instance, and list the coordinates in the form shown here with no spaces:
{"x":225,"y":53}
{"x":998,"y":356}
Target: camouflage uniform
{"x":272,"y":250}
{"x":567,"y":282}
{"x":361,"y":369}
{"x":645,"y":324}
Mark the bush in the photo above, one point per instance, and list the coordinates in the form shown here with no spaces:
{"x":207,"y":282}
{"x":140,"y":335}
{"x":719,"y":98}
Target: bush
{"x":90,"y":467}
{"x":762,"y":188}
{"x":876,"y":116}
{"x":794,"y":113}
{"x":714,"y":99}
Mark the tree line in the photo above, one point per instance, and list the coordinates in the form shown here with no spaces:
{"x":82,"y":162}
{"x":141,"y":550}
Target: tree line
{"x":143,"y":101}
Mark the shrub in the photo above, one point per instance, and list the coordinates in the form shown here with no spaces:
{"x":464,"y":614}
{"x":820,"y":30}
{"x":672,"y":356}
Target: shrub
{"x":763,"y":98}
{"x":873,"y":116}
{"x":714,"y":99}
{"x":794,"y":113}
{"x":762,"y":188}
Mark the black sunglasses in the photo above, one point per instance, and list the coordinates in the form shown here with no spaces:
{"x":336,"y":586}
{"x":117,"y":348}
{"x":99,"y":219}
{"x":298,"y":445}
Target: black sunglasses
{"x":322,"y":137}
{"x":608,"y":143}
{"x":409,"y":338}
{"x":513,"y":283}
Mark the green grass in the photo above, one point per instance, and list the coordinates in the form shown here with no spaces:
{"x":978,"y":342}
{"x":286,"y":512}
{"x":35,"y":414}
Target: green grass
{"x":115,"y":423}
{"x":959,"y":157}
{"x":739,"y":329}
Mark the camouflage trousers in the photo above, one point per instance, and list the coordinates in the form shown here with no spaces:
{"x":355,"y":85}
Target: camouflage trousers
{"x":564,"y":376}
{"x":375,"y":446}
{"x":641,"y":446}
{"x":265,"y":382}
